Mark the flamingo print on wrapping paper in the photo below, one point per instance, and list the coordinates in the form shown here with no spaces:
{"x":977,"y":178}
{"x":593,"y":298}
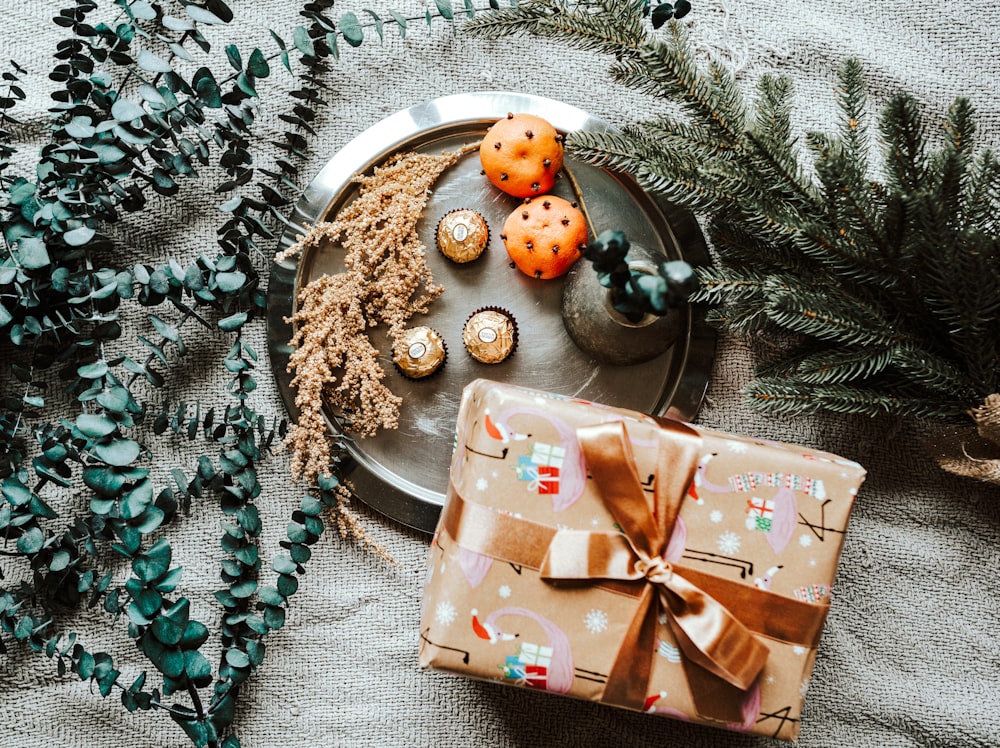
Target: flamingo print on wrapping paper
{"x":784,"y":513}
{"x":573,"y":474}
{"x":557,"y":674}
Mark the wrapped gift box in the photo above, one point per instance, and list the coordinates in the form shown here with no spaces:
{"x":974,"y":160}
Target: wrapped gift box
{"x":612,"y":556}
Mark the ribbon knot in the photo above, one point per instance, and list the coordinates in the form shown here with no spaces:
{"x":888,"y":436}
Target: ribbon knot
{"x":657,"y":570}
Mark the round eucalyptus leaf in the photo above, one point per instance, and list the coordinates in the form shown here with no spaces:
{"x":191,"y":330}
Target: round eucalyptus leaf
{"x":95,"y":425}
{"x":287,"y":584}
{"x":103,"y":480}
{"x":297,"y":533}
{"x":31,"y":541}
{"x":169,"y":581}
{"x":137,"y":499}
{"x":195,"y":634}
{"x":274,"y":617}
{"x":150,"y":520}
{"x":270,"y":596}
{"x":244,"y":589}
{"x":284,"y":565}
{"x":118,"y":452}
{"x":59,"y":561}
{"x":154,"y":563}
{"x":662,"y":13}
{"x":79,"y":237}
{"x":300,"y":553}
{"x":101,"y":506}
{"x":152,"y":62}
{"x":170,"y":662}
{"x":148,"y":602}
{"x":126,"y":110}
{"x":197,"y":668}
{"x":311,"y":506}
{"x":237,"y":658}
{"x":115,"y":399}
{"x":15,"y":491}
{"x":32,"y":253}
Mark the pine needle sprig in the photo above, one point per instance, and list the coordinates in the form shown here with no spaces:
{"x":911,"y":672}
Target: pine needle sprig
{"x":594,"y":25}
{"x":834,"y":367}
{"x":794,"y":399}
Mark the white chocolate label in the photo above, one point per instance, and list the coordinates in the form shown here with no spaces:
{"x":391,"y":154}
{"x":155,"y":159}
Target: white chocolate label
{"x":416,"y":350}
{"x":487,"y":335}
{"x":461,"y":232}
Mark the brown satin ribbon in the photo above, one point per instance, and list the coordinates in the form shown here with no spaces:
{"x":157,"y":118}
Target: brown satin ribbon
{"x":722,"y":657}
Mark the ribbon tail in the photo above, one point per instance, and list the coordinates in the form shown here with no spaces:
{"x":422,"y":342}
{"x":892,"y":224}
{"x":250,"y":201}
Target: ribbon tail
{"x":722,"y":657}
{"x":713,"y":698}
{"x":629,"y":677}
{"x":711,"y":636}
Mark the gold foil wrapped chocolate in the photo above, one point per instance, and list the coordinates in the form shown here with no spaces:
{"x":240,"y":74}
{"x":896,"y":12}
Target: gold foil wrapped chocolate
{"x":490,"y":335}
{"x":419,"y":352}
{"x":462,"y":235}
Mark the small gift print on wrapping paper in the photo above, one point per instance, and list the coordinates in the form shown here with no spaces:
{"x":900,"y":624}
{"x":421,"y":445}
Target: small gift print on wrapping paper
{"x":576,"y":591}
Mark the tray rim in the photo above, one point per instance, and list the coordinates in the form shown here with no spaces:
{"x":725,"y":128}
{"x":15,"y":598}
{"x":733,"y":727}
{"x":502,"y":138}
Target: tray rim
{"x":388,"y":493}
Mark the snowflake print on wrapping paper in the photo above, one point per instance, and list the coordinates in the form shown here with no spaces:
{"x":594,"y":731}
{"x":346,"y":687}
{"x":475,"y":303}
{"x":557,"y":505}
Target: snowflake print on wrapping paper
{"x":729,"y":543}
{"x":482,"y":484}
{"x":805,"y":540}
{"x":715,"y":516}
{"x":445,"y":613}
{"x":504,"y":591}
{"x":596,"y":621}
{"x":738,"y":447}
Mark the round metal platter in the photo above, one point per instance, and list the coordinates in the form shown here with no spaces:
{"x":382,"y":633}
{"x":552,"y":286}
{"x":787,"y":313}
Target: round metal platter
{"x":403,"y":473}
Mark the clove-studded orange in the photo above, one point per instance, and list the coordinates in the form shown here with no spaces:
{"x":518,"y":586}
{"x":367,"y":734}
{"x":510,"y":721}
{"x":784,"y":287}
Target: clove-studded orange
{"x":522,"y":154}
{"x":544,"y":236}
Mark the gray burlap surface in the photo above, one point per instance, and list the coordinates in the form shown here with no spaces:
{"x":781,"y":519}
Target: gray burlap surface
{"x":909,"y":656}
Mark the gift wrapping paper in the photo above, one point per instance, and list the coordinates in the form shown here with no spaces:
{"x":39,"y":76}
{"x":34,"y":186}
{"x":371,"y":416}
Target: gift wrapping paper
{"x":607,"y":555}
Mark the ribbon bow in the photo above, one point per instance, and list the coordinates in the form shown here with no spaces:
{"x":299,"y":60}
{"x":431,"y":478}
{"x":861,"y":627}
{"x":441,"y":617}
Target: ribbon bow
{"x":720,"y":653}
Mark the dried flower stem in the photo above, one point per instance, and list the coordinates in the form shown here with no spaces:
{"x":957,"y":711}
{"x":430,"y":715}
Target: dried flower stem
{"x":385,"y":280}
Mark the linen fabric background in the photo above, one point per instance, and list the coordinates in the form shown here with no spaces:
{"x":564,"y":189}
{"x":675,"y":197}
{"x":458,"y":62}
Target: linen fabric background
{"x":909,"y":655}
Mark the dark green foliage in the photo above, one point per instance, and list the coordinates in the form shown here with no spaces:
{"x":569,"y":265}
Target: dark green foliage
{"x":635,"y":293}
{"x":884,"y":289}
{"x":79,"y":418}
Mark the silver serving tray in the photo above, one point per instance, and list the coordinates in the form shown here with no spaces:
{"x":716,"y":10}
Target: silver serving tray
{"x":404,"y":473}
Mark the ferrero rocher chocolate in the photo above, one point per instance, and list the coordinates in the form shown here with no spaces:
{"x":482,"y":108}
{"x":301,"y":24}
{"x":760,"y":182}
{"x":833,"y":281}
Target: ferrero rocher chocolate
{"x":490,"y":335}
{"x":462,"y":235}
{"x":419,"y":352}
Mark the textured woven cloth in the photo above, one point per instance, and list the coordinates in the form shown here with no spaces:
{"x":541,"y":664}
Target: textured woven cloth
{"x":909,"y":654}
